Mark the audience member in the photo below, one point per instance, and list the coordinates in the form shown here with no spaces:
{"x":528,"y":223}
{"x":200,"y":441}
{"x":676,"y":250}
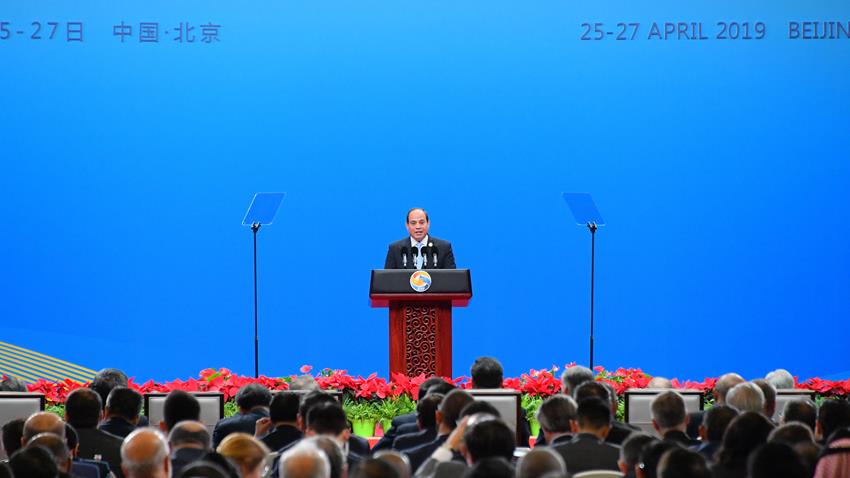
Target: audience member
{"x":651,"y":456}
{"x":832,"y":415}
{"x":618,"y":432}
{"x":356,"y":444}
{"x":179,"y":406}
{"x":630,"y":453}
{"x":409,"y":419}
{"x":282,"y":421}
{"x":426,"y":419}
{"x":801,"y":410}
{"x":34,"y":462}
{"x":487,"y":373}
{"x":769,"y":392}
{"x":791,"y":434}
{"x":304,"y":383}
{"x":574,"y":376}
{"x":253,"y":401}
{"x":13,"y":432}
{"x":670,"y":418}
{"x":334,"y":453}
{"x":834,"y":460}
{"x":189,"y":441}
{"x":555,"y":415}
{"x":328,"y":419}
{"x":12,"y":384}
{"x":781,"y":379}
{"x":539,"y":462}
{"x":588,"y":450}
{"x":492,"y":467}
{"x":721,"y":389}
{"x":374,"y":468}
{"x":82,"y":410}
{"x":107,"y":379}
{"x":223,"y":462}
{"x":144,"y":454}
{"x":447,"y":416}
{"x":746,"y":397}
{"x":682,"y":463}
{"x":123,"y":406}
{"x":304,"y":460}
{"x":397,"y":460}
{"x":775,"y":460}
{"x":58,"y":449}
{"x":746,"y":432}
{"x":202,"y":469}
{"x":659,"y":382}
{"x":715,"y":422}
{"x":42,"y":422}
{"x":246,"y":452}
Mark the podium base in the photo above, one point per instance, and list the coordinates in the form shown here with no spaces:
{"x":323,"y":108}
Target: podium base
{"x":421,"y":338}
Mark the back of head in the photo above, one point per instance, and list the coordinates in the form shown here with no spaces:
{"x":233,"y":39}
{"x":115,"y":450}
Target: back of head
{"x":426,"y":410}
{"x":396,"y":460}
{"x":487,"y":372}
{"x":144,"y":453}
{"x":593,"y":414}
{"x":428,"y":383}
{"x":452,"y":405}
{"x":493,"y":467}
{"x":442,"y":387}
{"x":746,"y":397}
{"x":791,"y":434}
{"x":575,"y":376}
{"x":42,"y":422}
{"x":83,"y":408}
{"x":801,"y":410}
{"x":668,"y":410}
{"x":12,"y":384}
{"x":106,"y":380}
{"x":304,"y":460}
{"x":480,"y":407}
{"x":591,"y":389}
{"x":717,"y":420}
{"x":769,"y":392}
{"x":304,"y":382}
{"x":55,"y":445}
{"x":556,"y":412}
{"x":284,"y":407}
{"x":832,"y":415}
{"x":12,"y":433}
{"x":724,"y":384}
{"x":374,"y":468}
{"x":775,"y":460}
{"x":312,"y":399}
{"x":245,"y":450}
{"x":202,"y":469}
{"x":252,"y":396}
{"x":632,"y":448}
{"x":682,"y":463}
{"x":659,"y":382}
{"x":332,"y":451}
{"x":180,"y":406}
{"x":489,"y":438}
{"x":781,"y":379}
{"x":540,"y":461}
{"x":327,"y":419}
{"x":125,"y":403}
{"x":651,"y":455}
{"x":223,"y":463}
{"x":33,"y":462}
{"x":190,"y":433}
{"x":746,"y":432}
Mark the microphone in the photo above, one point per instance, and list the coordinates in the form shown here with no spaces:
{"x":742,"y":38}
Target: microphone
{"x":434,"y":251}
{"x":424,"y":252}
{"x":404,"y":258}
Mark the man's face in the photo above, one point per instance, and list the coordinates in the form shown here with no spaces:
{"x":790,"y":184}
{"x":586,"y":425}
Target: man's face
{"x":417,"y":224}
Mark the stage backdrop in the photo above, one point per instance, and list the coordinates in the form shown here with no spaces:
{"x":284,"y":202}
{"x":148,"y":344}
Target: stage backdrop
{"x":712,"y":133}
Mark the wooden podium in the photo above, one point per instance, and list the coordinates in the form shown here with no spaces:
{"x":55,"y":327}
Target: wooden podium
{"x":420,"y":322}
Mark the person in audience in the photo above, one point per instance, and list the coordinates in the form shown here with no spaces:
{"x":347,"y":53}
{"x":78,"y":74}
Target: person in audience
{"x":12,"y":433}
{"x":670,"y":418}
{"x":651,"y":456}
{"x":619,"y":431}
{"x":304,"y":460}
{"x":328,"y":419}
{"x":202,"y":469}
{"x":374,"y":468}
{"x":791,"y":434}
{"x":801,"y":410}
{"x":409,"y":420}
{"x":247,"y":452}
{"x":588,"y":450}
{"x":356,"y":444}
{"x":492,"y":467}
{"x":58,"y":449}
{"x":282,"y":421}
{"x":477,"y":436}
{"x":659,"y":382}
{"x":107,"y":379}
{"x":42,"y":422}
{"x":395,"y":459}
{"x":426,"y":412}
{"x":179,"y":406}
{"x":144,"y":454}
{"x":253,"y":401}
{"x":34,"y":462}
{"x":574,"y":376}
{"x":682,"y":463}
{"x":714,"y":424}
{"x":834,"y":461}
{"x":189,"y":441}
{"x":746,"y":397}
{"x":487,"y":373}
{"x":447,"y":418}
{"x":832,"y":415}
{"x":123,"y":406}
{"x":746,"y":432}
{"x":555,"y":416}
{"x":12,"y":384}
{"x":781,"y":379}
{"x":721,"y":389}
{"x":769,"y":392}
{"x":334,"y":453}
{"x":223,"y":462}
{"x":82,"y":411}
{"x":775,"y":460}
{"x":630,"y":452}
{"x":304,"y":382}
{"x":539,"y":462}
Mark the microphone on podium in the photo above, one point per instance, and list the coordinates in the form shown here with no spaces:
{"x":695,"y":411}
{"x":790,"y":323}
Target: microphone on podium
{"x":404,"y":258}
{"x":434,"y":252}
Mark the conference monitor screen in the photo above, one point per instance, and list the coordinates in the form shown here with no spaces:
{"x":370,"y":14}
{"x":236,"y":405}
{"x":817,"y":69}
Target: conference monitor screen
{"x":14,"y":405}
{"x":212,"y":407}
{"x":638,"y":403}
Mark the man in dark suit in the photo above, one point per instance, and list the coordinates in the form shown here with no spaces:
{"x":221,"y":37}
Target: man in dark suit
{"x":405,"y":424}
{"x":419,"y":250}
{"x":714,"y":424}
{"x":179,"y":406}
{"x":282,"y":421}
{"x":670,"y":418}
{"x":447,"y":418}
{"x":426,"y":419}
{"x":587,"y":450}
{"x":189,"y":442}
{"x":487,"y":373}
{"x":123,"y":406}
{"x":82,"y":411}
{"x":555,"y":415}
{"x":619,"y":431}
{"x":253,"y":401}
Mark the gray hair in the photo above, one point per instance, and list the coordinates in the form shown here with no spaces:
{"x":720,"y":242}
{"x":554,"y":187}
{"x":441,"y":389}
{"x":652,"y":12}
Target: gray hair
{"x":55,"y":445}
{"x":304,"y":382}
{"x":724,"y":384}
{"x":575,"y":376}
{"x":540,"y":461}
{"x":746,"y":397}
{"x":781,"y":379}
{"x":190,"y":432}
{"x":304,"y":460}
{"x":143,"y":463}
{"x":668,"y":410}
{"x":397,"y":460}
{"x":556,"y":412}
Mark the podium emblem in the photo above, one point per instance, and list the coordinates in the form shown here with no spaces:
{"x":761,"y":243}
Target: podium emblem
{"x":420,"y":281}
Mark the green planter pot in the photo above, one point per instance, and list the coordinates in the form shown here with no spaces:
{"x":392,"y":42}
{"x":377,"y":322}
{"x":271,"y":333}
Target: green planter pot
{"x":386,"y":423}
{"x":535,"y":427}
{"x":364,"y":428}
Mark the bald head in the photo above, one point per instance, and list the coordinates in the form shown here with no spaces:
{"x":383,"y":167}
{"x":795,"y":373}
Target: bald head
{"x":190,"y":434}
{"x":304,"y":460}
{"x":43,"y":422}
{"x":724,"y":384}
{"x":144,"y":454}
{"x":539,"y":462}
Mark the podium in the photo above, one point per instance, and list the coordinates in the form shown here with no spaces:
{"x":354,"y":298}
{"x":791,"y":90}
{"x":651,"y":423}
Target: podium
{"x":420,"y":304}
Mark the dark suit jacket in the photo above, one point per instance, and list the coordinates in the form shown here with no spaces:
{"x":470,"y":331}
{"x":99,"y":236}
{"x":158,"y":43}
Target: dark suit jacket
{"x":419,"y":454}
{"x":618,"y":433}
{"x":386,"y":441}
{"x":183,"y":456}
{"x":445,"y":256}
{"x":586,"y":452}
{"x":359,"y":446}
{"x":117,"y":426}
{"x":694,"y":421}
{"x":681,"y":438}
{"x":96,"y":442}
{"x":282,"y":436}
{"x":246,"y":423}
{"x":412,"y":440}
{"x":708,"y":450}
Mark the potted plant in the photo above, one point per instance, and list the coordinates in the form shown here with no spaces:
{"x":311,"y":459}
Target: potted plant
{"x":531,"y":404}
{"x":392,"y":407}
{"x":363,"y":415}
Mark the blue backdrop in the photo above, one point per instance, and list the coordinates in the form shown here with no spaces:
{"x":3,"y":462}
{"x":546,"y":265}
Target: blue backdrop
{"x":721,"y":166}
